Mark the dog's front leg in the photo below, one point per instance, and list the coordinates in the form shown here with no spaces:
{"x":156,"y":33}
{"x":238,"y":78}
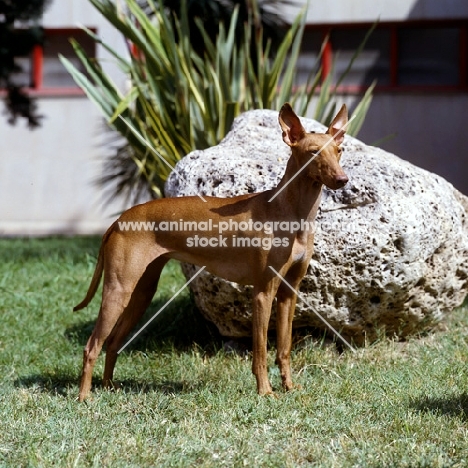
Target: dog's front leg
{"x":285,"y":314}
{"x":284,"y":317}
{"x":286,"y":305}
{"x":262,"y":302}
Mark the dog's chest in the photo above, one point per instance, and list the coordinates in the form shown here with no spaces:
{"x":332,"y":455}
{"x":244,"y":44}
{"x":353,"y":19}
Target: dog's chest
{"x":302,"y":245}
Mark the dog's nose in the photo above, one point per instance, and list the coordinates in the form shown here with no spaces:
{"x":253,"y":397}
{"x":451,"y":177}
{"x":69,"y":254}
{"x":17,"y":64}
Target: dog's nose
{"x":341,"y":180}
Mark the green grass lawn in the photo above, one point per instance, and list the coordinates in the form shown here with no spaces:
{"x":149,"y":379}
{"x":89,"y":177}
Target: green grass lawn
{"x":183,"y":401}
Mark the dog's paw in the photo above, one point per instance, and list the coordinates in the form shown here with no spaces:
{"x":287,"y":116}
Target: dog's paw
{"x":111,"y":385}
{"x":289,"y":386}
{"x":265,"y":389}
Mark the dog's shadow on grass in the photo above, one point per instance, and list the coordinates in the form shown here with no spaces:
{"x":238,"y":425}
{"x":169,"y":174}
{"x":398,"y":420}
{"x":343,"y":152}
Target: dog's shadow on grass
{"x":64,"y":384}
{"x":450,"y":405}
{"x":180,"y":326}
{"x":51,"y":383}
{"x":177,"y":329}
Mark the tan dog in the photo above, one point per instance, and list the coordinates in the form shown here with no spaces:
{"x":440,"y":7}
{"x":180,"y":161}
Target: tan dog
{"x":132,"y":260}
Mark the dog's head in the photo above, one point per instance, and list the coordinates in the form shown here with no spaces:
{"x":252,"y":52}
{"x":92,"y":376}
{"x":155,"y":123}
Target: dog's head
{"x":318,"y":153}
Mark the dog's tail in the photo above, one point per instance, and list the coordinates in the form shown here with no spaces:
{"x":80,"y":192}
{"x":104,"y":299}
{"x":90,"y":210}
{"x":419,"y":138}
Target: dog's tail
{"x":97,"y":274}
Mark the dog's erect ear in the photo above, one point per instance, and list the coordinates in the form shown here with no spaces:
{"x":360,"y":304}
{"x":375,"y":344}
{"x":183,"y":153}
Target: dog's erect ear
{"x":292,"y":128}
{"x":335,"y":128}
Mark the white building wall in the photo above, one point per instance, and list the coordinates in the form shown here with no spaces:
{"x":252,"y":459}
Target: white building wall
{"x":47,"y":175}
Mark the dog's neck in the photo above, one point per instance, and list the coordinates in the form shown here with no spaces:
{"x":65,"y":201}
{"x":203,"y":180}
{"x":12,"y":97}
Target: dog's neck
{"x":297,"y":193}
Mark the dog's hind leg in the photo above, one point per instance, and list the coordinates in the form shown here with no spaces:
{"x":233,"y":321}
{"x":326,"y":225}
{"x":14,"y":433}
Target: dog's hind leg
{"x":113,"y":303}
{"x":125,"y":265}
{"x":139,"y":302}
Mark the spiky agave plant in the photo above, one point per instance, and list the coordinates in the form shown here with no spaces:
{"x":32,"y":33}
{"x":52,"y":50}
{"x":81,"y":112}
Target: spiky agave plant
{"x":181,"y":99}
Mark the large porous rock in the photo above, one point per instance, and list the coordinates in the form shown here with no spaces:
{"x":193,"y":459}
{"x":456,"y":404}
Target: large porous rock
{"x":391,"y":248}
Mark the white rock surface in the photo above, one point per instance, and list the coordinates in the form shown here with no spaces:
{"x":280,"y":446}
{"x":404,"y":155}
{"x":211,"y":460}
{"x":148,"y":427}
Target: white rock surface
{"x":391,"y":248}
